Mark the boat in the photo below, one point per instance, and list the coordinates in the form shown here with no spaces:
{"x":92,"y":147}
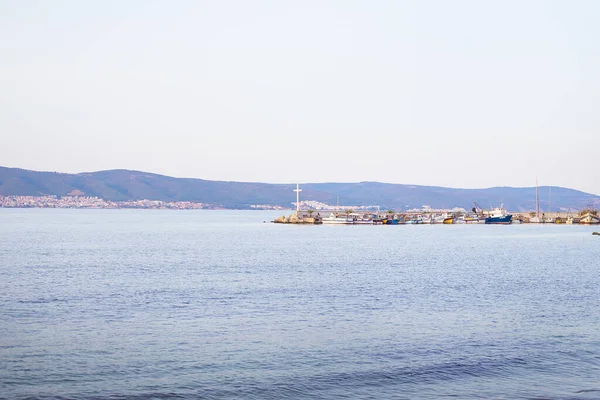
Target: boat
{"x":442,"y":219}
{"x":589,"y":219}
{"x":336,"y":219}
{"x":473,"y":219}
{"x":572,"y":220}
{"x":498,"y":215}
{"x":536,"y":219}
{"x":467,"y":219}
{"x":427,"y":219}
{"x":549,"y":219}
{"x":363,"y":219}
{"x":393,"y":219}
{"x":378,"y":220}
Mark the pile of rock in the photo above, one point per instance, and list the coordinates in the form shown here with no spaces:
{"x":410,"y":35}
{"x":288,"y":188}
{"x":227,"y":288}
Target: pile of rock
{"x":294,"y":218}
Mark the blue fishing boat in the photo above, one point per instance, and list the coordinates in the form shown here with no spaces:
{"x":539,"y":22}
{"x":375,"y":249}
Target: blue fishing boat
{"x":392,"y":220}
{"x":498,"y":215}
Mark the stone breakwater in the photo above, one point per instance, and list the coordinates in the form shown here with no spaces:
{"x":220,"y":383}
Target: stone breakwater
{"x":294,"y":218}
{"x":300,"y":217}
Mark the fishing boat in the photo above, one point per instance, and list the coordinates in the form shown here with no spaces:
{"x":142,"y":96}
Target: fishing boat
{"x":473,"y":219}
{"x":426,"y":219}
{"x":413,"y":220}
{"x":442,"y":219}
{"x":498,"y":215}
{"x":572,"y":220}
{"x":467,"y":219}
{"x":363,"y":219}
{"x":589,"y":219}
{"x":336,"y":219}
{"x":393,"y":220}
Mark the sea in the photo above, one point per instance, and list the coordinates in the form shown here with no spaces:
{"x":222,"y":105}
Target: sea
{"x":166,"y":304}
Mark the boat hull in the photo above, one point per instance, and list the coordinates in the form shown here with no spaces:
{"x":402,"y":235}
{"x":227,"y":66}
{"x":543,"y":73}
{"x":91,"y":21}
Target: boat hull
{"x":505,"y":220}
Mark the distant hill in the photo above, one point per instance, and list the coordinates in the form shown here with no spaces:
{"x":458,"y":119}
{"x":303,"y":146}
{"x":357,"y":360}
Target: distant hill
{"x":120,"y":185}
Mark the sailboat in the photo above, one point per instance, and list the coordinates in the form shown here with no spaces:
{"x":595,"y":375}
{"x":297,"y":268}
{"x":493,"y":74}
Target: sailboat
{"x":537,"y":219}
{"x":549,"y":220}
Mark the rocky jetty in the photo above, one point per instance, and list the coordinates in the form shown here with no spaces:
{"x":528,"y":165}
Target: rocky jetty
{"x":295,"y":218}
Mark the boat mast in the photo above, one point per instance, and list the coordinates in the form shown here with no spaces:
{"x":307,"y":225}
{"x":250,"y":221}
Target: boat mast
{"x":537,"y":198}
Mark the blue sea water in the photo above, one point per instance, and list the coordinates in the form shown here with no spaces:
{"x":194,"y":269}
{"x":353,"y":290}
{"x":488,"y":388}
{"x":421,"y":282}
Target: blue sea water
{"x":146,"y":304}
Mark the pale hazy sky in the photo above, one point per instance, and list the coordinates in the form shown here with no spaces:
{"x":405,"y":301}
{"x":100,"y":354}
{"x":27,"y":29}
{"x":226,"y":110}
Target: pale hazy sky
{"x":450,"y":93}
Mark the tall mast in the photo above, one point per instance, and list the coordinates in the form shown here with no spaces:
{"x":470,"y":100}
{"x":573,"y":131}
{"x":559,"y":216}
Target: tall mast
{"x":537,"y":198}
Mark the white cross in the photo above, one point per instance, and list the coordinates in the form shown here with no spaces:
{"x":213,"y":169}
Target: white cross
{"x":297,"y":190}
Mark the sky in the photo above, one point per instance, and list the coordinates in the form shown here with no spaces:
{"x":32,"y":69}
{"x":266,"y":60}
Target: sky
{"x":465,"y":94}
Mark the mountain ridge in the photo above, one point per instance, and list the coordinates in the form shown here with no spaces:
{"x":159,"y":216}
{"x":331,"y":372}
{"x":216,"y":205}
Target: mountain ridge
{"x":123,"y":185}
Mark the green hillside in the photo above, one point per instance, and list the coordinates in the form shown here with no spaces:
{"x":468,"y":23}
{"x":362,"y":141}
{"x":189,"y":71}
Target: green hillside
{"x":120,"y":185}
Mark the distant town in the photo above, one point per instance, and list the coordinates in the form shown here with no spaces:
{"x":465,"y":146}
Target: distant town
{"x":319,"y":206}
{"x":98,"y":203}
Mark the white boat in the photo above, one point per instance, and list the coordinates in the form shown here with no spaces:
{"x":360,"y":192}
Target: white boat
{"x":589,"y":219}
{"x":362,"y":219}
{"x":414,"y":220}
{"x":334,"y":219}
{"x":442,"y":219}
{"x":473,"y":219}
{"x":427,"y":219}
